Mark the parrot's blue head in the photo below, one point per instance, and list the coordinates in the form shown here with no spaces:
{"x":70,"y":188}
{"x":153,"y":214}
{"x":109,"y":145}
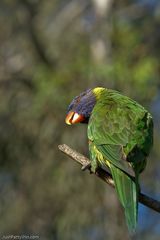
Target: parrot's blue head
{"x":81,"y":107}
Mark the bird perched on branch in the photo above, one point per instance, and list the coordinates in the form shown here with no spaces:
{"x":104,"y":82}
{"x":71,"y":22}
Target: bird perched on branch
{"x":120,"y":134}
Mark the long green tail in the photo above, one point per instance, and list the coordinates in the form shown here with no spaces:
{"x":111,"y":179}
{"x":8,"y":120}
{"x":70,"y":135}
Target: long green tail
{"x":127,"y":191}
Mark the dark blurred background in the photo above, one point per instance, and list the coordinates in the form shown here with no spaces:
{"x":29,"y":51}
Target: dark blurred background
{"x":51,"y":51}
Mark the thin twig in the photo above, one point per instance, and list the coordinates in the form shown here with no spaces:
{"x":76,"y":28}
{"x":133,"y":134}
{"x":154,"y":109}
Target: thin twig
{"x":106,"y":176}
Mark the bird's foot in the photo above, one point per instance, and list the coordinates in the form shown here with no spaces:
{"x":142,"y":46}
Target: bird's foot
{"x":87,"y":166}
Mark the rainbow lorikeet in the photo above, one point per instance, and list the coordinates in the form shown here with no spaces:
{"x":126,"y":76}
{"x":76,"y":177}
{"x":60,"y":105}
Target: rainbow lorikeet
{"x":120,"y":133}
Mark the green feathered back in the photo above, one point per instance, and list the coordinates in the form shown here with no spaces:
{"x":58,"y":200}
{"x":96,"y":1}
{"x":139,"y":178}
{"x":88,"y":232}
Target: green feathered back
{"x":121,"y":136}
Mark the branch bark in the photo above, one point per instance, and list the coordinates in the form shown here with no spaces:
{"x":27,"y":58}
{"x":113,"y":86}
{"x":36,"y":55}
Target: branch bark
{"x":106,"y":176}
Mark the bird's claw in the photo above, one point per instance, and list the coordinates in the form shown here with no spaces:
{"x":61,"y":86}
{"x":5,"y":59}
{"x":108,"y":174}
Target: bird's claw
{"x":87,"y":166}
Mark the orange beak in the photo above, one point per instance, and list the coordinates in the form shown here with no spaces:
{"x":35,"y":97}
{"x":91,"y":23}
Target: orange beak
{"x":73,"y":117}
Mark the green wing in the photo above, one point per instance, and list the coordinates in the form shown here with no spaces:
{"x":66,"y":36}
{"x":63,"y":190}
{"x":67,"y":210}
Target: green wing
{"x":121,"y":130}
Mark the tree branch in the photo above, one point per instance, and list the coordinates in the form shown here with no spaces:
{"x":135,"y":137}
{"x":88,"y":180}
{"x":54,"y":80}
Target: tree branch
{"x":30,"y":26}
{"x":106,"y":176}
